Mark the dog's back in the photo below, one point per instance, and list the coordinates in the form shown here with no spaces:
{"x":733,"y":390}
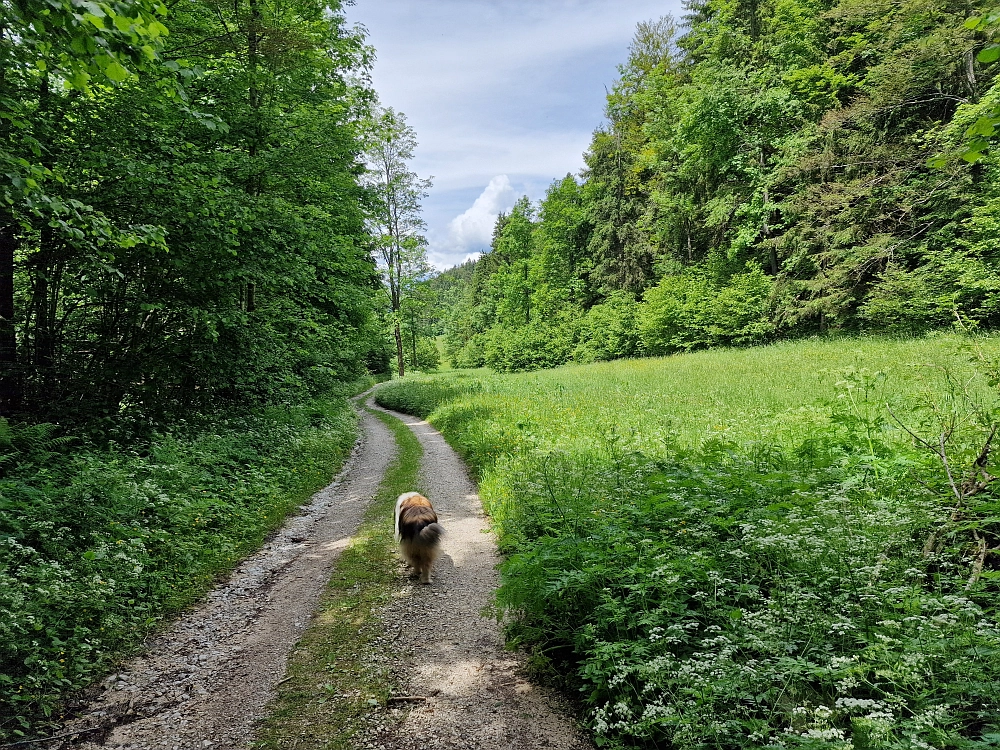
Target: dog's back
{"x":418,"y":532}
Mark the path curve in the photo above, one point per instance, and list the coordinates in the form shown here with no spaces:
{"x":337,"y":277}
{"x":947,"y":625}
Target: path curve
{"x":206,"y":680}
{"x":478,"y":695}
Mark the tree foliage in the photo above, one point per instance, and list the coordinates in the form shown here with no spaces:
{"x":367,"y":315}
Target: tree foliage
{"x":762,"y":173}
{"x":395,"y":220}
{"x":191,"y":236}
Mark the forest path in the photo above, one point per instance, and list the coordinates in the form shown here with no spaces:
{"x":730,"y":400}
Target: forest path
{"x":206,"y":680}
{"x":477,"y":695}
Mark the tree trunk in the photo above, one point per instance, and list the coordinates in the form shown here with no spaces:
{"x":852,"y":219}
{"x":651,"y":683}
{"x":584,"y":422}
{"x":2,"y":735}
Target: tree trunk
{"x":413,"y":340}
{"x":10,"y":387}
{"x":399,"y":347}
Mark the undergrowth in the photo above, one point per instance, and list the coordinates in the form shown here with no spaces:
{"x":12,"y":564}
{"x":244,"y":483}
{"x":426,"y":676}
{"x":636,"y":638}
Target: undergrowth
{"x":98,"y":546}
{"x":745,"y":550}
{"x":337,"y":673}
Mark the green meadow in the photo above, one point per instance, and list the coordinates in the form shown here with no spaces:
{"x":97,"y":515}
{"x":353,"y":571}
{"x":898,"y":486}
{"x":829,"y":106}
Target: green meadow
{"x":784,"y":546}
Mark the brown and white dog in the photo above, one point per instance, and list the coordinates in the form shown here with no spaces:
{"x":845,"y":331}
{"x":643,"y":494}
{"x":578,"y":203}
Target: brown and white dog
{"x":418,"y":533}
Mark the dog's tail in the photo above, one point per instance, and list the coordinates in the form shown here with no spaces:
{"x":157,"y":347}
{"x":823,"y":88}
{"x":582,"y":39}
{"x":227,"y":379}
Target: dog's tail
{"x":431,"y":533}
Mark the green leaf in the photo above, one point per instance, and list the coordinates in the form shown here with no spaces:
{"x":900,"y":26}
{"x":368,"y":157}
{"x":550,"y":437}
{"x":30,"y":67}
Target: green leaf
{"x":79,"y":80}
{"x":116,"y":72}
{"x":989,"y":54}
{"x":973,"y":23}
{"x":984,"y":126}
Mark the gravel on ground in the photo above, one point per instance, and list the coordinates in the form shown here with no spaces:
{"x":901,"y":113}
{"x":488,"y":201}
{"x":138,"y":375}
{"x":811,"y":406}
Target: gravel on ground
{"x":467,"y":691}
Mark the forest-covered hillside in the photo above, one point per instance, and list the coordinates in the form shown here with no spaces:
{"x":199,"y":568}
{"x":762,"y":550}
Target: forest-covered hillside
{"x":763,"y":173}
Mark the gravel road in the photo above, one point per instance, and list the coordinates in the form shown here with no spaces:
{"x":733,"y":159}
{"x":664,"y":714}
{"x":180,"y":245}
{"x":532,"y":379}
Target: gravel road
{"x":478,"y":695}
{"x":205,"y":681}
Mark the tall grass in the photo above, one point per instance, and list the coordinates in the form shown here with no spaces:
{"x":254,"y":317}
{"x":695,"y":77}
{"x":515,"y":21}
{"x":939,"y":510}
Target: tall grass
{"x":749,"y":548}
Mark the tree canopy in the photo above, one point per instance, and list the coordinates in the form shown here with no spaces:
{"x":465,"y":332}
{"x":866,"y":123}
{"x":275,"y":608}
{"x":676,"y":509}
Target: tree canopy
{"x":182,"y":221}
{"x":762,"y":173}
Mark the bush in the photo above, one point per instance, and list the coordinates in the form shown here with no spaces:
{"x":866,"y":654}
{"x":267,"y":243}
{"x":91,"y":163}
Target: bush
{"x":531,"y":347}
{"x":686,"y":312}
{"x":428,"y":357}
{"x":471,"y":354}
{"x":609,"y":330}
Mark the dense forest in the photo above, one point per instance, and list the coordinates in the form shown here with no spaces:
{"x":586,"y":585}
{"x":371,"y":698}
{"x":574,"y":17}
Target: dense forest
{"x":182,"y":221}
{"x":763,"y":172}
{"x":190,"y":285}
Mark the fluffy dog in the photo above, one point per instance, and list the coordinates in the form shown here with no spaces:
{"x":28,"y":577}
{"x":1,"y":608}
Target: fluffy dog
{"x":418,"y":533}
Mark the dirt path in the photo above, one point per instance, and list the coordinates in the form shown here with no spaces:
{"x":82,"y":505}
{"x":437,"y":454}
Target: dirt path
{"x":206,"y":680}
{"x":478,"y":694}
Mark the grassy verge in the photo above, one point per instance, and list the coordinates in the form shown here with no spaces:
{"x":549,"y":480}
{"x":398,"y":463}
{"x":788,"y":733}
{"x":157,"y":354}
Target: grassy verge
{"x":99,"y":546}
{"x":337,"y":672}
{"x":745,"y":549}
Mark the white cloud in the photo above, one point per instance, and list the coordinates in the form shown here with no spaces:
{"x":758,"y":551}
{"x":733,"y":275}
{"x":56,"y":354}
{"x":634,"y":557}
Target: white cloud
{"x":497,"y":87}
{"x":471,"y":231}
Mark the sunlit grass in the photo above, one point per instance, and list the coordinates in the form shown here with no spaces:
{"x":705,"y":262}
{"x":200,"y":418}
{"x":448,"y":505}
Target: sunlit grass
{"x":778,"y":393}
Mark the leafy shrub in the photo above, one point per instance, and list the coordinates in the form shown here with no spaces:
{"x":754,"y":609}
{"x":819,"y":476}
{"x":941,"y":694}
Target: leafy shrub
{"x":685,"y":312}
{"x":609,"y":330}
{"x":909,"y":302}
{"x":670,"y":315}
{"x":471,"y":354}
{"x":428,"y":357}
{"x":97,"y":546}
{"x":531,"y":347}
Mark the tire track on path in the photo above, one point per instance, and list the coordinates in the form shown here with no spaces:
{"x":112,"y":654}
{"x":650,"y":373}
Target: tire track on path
{"x":478,"y":695}
{"x":206,"y":680}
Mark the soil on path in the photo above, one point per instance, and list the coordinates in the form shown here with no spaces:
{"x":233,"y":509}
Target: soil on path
{"x":206,"y":681}
{"x":478,"y":695}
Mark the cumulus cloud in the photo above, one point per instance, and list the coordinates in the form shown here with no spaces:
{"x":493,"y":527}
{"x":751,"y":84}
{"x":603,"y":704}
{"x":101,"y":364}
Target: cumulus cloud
{"x":471,"y":231}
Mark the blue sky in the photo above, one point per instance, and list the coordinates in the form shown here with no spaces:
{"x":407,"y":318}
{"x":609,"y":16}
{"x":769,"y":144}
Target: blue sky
{"x":503,"y":95}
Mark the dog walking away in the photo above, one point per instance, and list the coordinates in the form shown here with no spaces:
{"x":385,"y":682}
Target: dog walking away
{"x":418,"y":533}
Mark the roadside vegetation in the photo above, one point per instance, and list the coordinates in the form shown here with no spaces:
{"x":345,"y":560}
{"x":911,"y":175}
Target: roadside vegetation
{"x":337,"y":674}
{"x":788,"y":546}
{"x":99,"y":545}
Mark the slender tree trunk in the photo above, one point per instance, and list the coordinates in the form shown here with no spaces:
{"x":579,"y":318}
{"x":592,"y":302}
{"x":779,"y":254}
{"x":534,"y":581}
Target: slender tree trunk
{"x":10,"y":386}
{"x":413,"y":340}
{"x":43,"y":264}
{"x":255,"y":183}
{"x":399,"y":348}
